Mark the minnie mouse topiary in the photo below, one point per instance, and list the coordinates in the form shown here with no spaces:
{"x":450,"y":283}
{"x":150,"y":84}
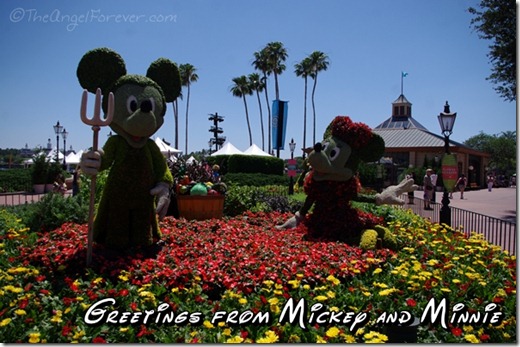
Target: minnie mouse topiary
{"x":138,"y":184}
{"x":332,"y":185}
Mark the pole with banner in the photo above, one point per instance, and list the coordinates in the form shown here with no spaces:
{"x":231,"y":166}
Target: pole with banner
{"x":279,"y":124}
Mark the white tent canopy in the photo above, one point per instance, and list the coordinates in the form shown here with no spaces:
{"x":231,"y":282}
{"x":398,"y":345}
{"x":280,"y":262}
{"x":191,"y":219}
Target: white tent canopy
{"x":73,"y":158}
{"x":165,"y":148}
{"x":227,"y":149}
{"x":255,"y":150}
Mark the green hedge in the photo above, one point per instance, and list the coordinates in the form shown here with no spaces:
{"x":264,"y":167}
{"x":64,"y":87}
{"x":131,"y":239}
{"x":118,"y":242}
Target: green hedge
{"x":255,"y":179}
{"x":15,"y":180}
{"x":255,"y":164}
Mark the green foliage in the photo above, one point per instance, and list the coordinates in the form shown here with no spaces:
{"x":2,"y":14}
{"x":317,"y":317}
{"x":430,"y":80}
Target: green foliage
{"x":52,"y":211}
{"x":502,"y":149}
{"x":39,"y":169}
{"x":55,"y":170}
{"x":100,"y":68}
{"x":240,"y":199}
{"x":15,"y":180}
{"x":256,"y":179}
{"x":166,"y":74}
{"x":496,"y":21}
{"x":255,"y":164}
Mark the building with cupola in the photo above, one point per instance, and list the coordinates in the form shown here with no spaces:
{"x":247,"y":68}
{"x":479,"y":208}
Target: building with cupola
{"x":409,"y":144}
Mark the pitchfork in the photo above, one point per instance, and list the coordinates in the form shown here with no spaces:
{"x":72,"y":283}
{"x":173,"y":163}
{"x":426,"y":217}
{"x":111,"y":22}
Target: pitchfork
{"x":96,"y":123}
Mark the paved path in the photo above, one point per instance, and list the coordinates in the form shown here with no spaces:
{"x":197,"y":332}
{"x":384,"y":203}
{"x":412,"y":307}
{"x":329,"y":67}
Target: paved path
{"x":499,"y":203}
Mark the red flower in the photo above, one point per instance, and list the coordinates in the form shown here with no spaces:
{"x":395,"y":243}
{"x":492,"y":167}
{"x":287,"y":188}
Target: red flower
{"x":484,"y":337}
{"x":98,"y":339}
{"x":456,"y":331}
{"x":411,"y":302}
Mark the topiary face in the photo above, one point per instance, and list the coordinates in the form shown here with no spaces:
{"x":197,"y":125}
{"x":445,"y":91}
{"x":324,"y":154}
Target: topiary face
{"x":140,"y":101}
{"x":345,"y":144}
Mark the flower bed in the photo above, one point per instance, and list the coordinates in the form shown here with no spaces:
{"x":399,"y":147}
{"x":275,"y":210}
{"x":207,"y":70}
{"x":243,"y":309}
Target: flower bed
{"x":207,"y":270}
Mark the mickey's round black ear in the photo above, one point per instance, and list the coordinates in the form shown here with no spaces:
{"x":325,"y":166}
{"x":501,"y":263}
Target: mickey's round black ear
{"x":373,"y":150}
{"x":100,"y":68}
{"x":166,"y":74}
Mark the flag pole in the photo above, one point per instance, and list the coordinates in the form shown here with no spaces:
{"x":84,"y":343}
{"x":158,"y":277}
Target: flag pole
{"x":402,"y":75}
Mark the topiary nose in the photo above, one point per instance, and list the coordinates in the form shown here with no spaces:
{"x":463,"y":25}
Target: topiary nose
{"x":146,"y":106}
{"x":318,"y":147}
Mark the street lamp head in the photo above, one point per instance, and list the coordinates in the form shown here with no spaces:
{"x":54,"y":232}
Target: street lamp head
{"x":64,"y":134}
{"x":57,"y":128}
{"x":292,"y":145}
{"x":447,"y":120}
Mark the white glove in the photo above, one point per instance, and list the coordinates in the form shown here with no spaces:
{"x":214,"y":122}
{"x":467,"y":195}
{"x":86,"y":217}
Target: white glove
{"x":390,"y":195}
{"x":292,"y":222}
{"x":91,"y":162}
{"x":162,"y":191}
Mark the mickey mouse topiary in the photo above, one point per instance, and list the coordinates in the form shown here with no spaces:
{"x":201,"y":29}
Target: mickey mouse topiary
{"x":138,"y":184}
{"x":332,"y":185}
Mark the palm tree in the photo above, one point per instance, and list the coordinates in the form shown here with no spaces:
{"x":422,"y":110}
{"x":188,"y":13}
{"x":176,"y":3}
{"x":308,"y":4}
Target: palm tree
{"x":176,"y":120}
{"x":276,"y":55}
{"x":260,"y":64}
{"x":188,"y":75}
{"x":303,"y":69}
{"x":319,"y":62}
{"x":240,"y":89}
{"x":257,"y":85}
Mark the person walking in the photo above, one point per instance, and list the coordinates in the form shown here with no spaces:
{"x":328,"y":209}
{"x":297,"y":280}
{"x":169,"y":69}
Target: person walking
{"x":434,"y":182}
{"x":490,"y":181}
{"x":461,"y":185}
{"x":411,"y":194}
{"x":75,"y":181}
{"x":428,"y":189}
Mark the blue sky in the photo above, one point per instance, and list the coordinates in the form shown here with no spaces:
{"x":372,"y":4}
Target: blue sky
{"x":369,"y":43}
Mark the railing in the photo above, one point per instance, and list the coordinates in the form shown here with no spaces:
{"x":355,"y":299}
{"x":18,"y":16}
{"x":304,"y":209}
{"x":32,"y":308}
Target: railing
{"x":497,"y":231}
{"x":21,"y":198}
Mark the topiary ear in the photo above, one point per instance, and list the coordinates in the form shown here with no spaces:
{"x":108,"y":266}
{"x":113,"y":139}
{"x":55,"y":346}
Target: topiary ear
{"x":100,"y":68}
{"x":373,"y":150}
{"x":166,"y":74}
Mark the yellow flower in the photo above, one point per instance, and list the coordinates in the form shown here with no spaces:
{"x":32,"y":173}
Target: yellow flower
{"x":349,"y":339}
{"x":78,"y":335}
{"x":294,"y":283}
{"x":471,"y":338}
{"x":4,"y":322}
{"x":333,"y":280}
{"x":321,"y":298}
{"x":226,"y":332}
{"x":235,"y":339}
{"x":376,"y":271}
{"x":34,"y":337}
{"x":456,"y":281}
{"x":320,"y":339}
{"x":208,"y":324}
{"x":123,"y":329}
{"x":332,"y":332}
{"x":20,"y":312}
{"x":270,"y":337}
{"x":242,"y":301}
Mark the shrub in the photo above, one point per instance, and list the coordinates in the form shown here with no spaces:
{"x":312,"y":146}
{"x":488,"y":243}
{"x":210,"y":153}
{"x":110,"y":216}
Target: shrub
{"x":39,"y":169}
{"x":240,"y":199}
{"x":255,"y":179}
{"x":15,"y":180}
{"x":255,"y":164}
{"x":52,"y":211}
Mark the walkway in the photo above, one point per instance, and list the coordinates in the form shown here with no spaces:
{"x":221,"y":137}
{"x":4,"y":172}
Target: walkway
{"x":499,"y":203}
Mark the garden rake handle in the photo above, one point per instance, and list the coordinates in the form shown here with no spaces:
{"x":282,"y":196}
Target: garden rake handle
{"x":96,"y":123}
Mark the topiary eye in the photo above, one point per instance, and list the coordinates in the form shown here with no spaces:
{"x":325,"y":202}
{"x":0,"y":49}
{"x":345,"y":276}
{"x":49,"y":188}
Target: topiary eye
{"x":334,"y":153}
{"x":131,"y":104}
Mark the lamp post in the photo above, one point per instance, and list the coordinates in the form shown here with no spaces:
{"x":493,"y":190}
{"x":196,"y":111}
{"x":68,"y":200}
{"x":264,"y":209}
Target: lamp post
{"x":64,"y":134}
{"x":57,"y":130}
{"x":292,"y":147}
{"x":446,"y":121}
